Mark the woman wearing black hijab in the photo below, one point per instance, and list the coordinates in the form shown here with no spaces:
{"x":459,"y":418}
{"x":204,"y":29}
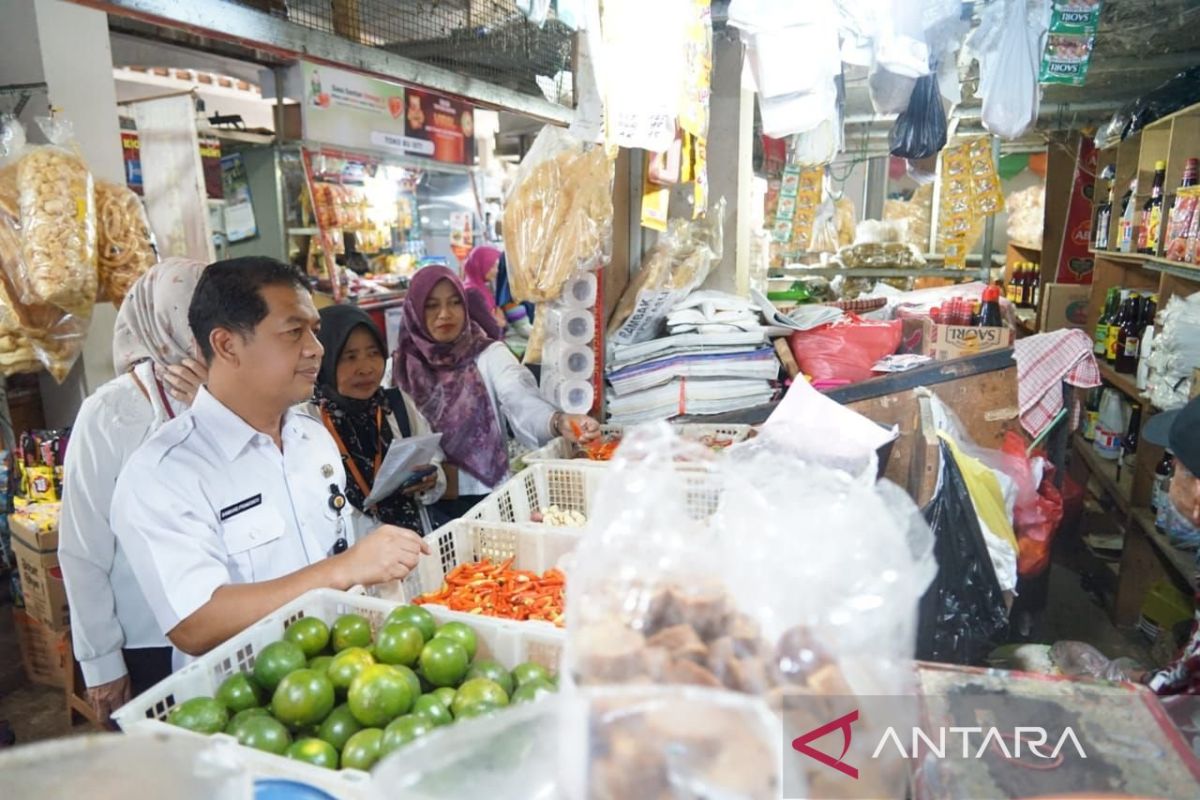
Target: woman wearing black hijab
{"x":364,"y":420}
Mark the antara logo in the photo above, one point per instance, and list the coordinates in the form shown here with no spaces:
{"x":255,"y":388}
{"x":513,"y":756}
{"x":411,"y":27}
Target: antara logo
{"x":1032,"y":740}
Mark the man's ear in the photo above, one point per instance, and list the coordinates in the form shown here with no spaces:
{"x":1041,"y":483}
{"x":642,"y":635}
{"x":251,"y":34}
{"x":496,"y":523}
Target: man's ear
{"x":226,"y":346}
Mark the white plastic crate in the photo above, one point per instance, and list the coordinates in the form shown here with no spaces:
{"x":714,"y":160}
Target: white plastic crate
{"x":572,"y":486}
{"x":532,"y":547}
{"x":560,"y":450}
{"x":569,"y":486}
{"x":508,"y":642}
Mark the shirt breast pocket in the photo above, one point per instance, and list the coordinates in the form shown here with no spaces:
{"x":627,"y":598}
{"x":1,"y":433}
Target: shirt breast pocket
{"x":249,"y":539}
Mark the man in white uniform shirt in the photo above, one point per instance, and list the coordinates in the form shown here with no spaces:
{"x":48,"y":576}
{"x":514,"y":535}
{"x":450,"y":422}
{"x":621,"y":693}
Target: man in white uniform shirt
{"x":234,"y":508}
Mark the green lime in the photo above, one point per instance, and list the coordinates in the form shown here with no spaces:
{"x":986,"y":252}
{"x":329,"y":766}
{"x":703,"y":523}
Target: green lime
{"x":200,"y":714}
{"x":304,"y":697}
{"x":378,"y":695}
{"x":477,"y":693}
{"x":235,"y":724}
{"x":444,"y":662}
{"x":493,"y":671}
{"x":310,"y":634}
{"x":239,"y":692}
{"x":530,"y":671}
{"x":445,"y":694}
{"x":403,"y":730}
{"x":315,"y":752}
{"x":339,"y":726}
{"x":433,"y":710}
{"x":351,"y":630}
{"x":362,"y":751}
{"x":414,"y":682}
{"x":399,"y":643}
{"x":414,"y":615}
{"x":266,"y":734}
{"x":274,"y":663}
{"x":532,"y":690}
{"x":460,"y":633}
{"x":346,"y":666}
{"x":320,"y":663}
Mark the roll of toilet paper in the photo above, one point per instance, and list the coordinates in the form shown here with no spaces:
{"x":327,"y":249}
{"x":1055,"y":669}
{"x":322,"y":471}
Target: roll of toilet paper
{"x":575,"y":397}
{"x":576,"y":363}
{"x":580,"y":291}
{"x":572,"y":326}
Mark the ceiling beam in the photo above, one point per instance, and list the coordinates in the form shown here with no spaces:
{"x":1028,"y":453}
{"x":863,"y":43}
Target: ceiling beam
{"x":232,"y":22}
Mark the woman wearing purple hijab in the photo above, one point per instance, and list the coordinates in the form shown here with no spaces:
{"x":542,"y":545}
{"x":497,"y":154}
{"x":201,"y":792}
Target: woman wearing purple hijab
{"x":468,"y":385}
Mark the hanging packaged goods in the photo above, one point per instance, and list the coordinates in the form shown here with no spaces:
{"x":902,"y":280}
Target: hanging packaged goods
{"x":970,"y":190}
{"x":1069,"y":46}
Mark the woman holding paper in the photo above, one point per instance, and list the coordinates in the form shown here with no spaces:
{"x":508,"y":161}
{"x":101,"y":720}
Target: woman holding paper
{"x":364,"y":420}
{"x":470,"y":387}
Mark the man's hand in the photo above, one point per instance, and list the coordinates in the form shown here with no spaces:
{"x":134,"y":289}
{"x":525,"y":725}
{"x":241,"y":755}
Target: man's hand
{"x":185,"y":379}
{"x":108,"y":697}
{"x":425,"y":485}
{"x":386,"y":554}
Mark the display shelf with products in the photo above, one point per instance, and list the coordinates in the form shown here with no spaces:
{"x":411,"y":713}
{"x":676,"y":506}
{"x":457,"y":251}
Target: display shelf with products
{"x":1182,"y":561}
{"x":1126,"y":384}
{"x":1118,"y":484}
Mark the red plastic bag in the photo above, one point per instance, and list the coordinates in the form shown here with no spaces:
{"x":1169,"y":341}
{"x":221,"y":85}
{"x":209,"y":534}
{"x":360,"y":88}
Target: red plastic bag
{"x":844,"y":351}
{"x":1038,"y":511}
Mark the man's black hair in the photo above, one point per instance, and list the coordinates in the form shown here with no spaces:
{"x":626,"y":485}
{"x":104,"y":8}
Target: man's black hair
{"x":229,"y":296}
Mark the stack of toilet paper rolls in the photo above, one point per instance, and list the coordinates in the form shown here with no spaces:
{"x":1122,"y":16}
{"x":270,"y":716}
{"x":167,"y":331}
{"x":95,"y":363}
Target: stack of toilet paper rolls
{"x":568,"y":357}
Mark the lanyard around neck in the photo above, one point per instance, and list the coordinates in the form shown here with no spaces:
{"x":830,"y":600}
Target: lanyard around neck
{"x":355,"y":472}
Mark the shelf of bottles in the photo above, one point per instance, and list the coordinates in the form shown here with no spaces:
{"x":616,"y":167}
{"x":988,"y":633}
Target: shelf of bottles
{"x":1139,"y":206}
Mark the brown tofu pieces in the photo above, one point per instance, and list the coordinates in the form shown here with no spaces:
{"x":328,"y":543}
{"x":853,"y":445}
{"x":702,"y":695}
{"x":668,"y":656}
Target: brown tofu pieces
{"x":695,"y":638}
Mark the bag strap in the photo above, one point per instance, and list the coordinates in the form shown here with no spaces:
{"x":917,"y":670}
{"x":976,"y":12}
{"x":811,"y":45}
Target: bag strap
{"x":400,"y":409}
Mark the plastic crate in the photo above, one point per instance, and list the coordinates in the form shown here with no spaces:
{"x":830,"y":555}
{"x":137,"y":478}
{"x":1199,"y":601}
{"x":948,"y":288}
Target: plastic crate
{"x":510,"y":643}
{"x":572,"y":486}
{"x":532,"y":547}
{"x":560,"y":450}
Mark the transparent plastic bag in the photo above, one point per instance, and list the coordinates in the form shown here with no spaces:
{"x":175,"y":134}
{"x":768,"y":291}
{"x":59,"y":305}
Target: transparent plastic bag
{"x":1008,"y":43}
{"x":1081,"y":660}
{"x":614,"y":743}
{"x":705,"y":578}
{"x":58,"y":224}
{"x":123,"y":240}
{"x":676,"y":266}
{"x":34,"y":330}
{"x":558,"y":217}
{"x":710,"y":568}
{"x":920,"y":131}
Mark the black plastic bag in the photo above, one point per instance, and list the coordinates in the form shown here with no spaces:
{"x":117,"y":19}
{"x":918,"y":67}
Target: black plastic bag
{"x":920,"y":132}
{"x":962,"y":615}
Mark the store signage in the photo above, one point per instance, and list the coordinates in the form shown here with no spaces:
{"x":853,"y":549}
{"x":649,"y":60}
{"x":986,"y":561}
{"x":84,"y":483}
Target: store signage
{"x":1075,"y":263}
{"x":352,"y":110}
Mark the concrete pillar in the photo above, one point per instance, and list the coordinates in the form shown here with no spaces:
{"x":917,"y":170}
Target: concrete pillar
{"x":730,"y":157}
{"x":66,"y":46}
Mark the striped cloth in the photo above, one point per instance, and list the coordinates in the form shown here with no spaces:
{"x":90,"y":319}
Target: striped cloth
{"x":1043,"y":363}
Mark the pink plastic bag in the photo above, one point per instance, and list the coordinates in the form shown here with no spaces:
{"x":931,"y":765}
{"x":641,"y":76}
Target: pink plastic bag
{"x":1038,"y":511}
{"x":846,"y":350}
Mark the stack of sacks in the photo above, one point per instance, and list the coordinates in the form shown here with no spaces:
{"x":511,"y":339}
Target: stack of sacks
{"x":715,"y":358}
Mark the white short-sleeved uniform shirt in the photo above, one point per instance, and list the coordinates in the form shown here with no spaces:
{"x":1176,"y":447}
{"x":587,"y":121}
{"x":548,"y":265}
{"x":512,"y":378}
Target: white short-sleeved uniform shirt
{"x":209,"y":501}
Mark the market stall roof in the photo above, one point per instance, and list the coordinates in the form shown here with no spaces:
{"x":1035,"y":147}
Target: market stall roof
{"x":1140,"y":44}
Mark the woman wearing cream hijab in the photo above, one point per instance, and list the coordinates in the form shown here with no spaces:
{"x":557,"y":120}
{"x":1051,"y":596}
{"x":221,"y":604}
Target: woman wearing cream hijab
{"x":116,"y":639}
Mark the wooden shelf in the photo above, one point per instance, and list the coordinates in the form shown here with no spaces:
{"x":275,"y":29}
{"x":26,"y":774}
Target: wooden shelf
{"x":1105,"y":472}
{"x":1126,"y":384}
{"x":1153,"y":263}
{"x":1182,"y":562}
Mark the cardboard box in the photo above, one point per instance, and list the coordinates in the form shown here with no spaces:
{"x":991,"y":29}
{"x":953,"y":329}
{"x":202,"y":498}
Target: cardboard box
{"x":1064,"y":305}
{"x":42,"y":583}
{"x":948,"y":342}
{"x":45,"y":653}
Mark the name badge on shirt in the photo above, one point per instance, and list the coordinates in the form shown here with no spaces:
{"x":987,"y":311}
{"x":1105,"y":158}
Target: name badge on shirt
{"x":240,"y":507}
